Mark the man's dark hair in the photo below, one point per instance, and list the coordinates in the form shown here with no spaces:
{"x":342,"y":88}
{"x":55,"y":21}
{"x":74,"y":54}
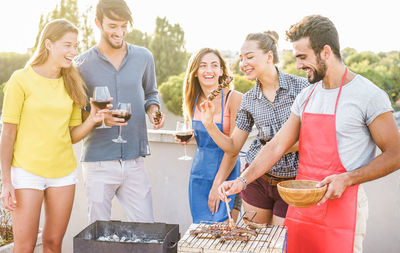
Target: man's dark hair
{"x":113,"y":9}
{"x":320,"y":30}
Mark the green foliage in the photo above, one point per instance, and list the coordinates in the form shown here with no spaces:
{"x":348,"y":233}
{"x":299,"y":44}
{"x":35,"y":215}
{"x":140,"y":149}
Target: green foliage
{"x":9,"y":62}
{"x":167,"y":45}
{"x":168,"y":48}
{"x":383,"y":69}
{"x":68,"y":9}
{"x":347,"y":52}
{"x":368,"y":57}
{"x":171,"y":93}
{"x":242,"y":84}
{"x":139,"y":38}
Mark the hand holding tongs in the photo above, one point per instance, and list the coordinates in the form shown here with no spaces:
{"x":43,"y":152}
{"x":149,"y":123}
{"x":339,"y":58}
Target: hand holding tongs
{"x":232,"y":224}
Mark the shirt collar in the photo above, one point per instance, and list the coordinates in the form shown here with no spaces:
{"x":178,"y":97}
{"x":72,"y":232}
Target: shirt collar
{"x":129,"y":50}
{"x":283,"y":84}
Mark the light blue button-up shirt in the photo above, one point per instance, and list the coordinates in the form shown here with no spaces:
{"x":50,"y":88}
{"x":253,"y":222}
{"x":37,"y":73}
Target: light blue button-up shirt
{"x":134,"y":82}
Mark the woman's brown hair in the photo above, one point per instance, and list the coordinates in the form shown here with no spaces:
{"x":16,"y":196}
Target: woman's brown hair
{"x":267,"y":41}
{"x":73,"y":81}
{"x":191,"y":85}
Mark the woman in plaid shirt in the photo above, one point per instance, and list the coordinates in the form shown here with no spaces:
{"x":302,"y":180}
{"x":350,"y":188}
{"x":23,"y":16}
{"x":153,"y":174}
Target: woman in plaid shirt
{"x":267,"y":106}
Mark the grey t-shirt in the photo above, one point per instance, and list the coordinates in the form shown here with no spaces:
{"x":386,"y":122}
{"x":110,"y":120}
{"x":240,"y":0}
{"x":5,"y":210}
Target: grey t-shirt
{"x":359,"y":104}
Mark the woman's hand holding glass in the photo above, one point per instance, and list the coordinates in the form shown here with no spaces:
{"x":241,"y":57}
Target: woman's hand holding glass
{"x":184,"y":133}
{"x":97,"y":115}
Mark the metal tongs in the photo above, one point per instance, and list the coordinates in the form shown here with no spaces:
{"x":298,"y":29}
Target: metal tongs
{"x":232,"y":224}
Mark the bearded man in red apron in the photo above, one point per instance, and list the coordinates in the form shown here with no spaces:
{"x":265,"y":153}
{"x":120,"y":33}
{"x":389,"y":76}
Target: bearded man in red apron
{"x":339,"y":121}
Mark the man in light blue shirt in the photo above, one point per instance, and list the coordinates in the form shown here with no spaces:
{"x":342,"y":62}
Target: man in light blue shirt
{"x":115,"y":169}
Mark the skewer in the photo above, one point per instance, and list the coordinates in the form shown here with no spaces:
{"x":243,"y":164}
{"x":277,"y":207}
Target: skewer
{"x":216,"y":91}
{"x":231,"y":221}
{"x":157,"y":117}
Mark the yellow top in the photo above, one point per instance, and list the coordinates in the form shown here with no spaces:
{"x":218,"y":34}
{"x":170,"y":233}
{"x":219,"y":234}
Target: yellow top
{"x":43,"y":111}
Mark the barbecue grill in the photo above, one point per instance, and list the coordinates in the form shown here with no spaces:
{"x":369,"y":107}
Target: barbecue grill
{"x":140,"y":238}
{"x":270,"y":239}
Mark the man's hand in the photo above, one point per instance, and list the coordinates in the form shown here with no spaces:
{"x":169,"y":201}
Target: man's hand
{"x":337,"y":184}
{"x":110,"y":118}
{"x":151,"y":113}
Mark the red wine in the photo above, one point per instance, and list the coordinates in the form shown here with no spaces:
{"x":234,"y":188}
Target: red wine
{"x":123,"y":115}
{"x":184,"y":136}
{"x":101,"y":104}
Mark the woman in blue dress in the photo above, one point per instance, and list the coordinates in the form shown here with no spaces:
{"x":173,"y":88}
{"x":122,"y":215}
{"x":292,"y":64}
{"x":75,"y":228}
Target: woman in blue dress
{"x":210,"y":166}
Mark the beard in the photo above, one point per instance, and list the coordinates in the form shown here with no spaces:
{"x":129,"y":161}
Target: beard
{"x":111,"y":44}
{"x":319,"y":73}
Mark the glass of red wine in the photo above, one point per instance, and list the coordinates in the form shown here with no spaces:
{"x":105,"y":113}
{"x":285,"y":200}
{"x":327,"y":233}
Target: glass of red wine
{"x":125,"y":112}
{"x":101,"y":98}
{"x":184,"y":132}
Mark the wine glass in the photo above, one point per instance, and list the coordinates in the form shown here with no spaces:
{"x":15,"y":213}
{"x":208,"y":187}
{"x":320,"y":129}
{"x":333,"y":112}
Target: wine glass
{"x":101,"y":98}
{"x":184,"y":132}
{"x":125,"y":112}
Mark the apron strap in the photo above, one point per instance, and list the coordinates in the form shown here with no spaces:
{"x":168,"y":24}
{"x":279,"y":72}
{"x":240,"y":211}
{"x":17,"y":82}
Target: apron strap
{"x":340,"y":90}
{"x":308,"y":98}
{"x":337,"y":99}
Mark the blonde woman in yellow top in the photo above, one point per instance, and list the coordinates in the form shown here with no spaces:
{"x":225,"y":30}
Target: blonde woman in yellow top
{"x":41,"y":120}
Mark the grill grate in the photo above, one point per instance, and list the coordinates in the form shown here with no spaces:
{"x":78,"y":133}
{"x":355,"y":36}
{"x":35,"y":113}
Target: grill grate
{"x":271,"y":239}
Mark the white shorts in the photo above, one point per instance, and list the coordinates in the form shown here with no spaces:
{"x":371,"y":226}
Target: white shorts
{"x":22,"y":179}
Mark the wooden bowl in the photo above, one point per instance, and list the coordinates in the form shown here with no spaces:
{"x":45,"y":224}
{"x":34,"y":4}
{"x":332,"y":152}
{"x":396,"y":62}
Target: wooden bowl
{"x":301,"y":193}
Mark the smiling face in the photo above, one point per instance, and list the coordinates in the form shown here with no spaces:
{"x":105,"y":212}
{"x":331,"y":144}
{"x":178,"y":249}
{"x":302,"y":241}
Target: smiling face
{"x":63,"y":51}
{"x":209,"y":70}
{"x":307,"y":60}
{"x":253,"y":60}
{"x":113,"y":31}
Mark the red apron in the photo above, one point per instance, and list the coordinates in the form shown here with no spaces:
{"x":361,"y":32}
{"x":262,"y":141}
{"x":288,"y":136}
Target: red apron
{"x":330,"y":227}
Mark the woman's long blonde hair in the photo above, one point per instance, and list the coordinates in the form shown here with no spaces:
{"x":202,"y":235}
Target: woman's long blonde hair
{"x":73,"y":81}
{"x":191,"y":85}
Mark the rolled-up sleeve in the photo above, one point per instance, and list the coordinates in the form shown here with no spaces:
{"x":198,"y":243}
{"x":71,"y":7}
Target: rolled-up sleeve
{"x":149,"y":84}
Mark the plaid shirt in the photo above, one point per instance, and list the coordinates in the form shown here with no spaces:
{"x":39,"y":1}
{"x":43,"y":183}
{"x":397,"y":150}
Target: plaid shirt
{"x":269,"y":117}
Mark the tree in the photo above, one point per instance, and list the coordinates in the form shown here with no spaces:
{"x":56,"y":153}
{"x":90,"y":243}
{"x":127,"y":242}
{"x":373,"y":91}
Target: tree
{"x":68,"y":9}
{"x":139,"y":38}
{"x":9,"y":62}
{"x":383,"y":69}
{"x":171,"y":92}
{"x":168,"y":48}
{"x":87,"y":39}
{"x":347,"y":52}
{"x":167,"y":45}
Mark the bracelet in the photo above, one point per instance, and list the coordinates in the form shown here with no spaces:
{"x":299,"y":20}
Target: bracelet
{"x":243,"y":180}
